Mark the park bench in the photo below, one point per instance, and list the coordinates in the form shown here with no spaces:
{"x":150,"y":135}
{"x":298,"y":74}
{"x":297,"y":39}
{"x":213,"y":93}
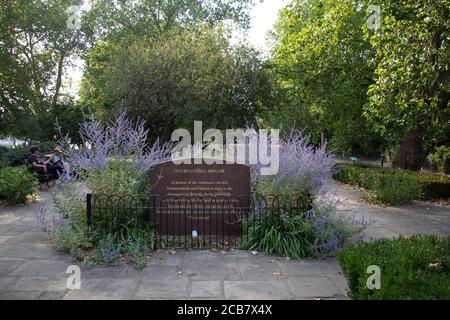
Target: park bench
{"x":43,"y":178}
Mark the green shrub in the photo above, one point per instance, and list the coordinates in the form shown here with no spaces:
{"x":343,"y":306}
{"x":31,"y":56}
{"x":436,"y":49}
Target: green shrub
{"x":107,"y":251}
{"x":284,"y":234}
{"x":137,"y":246}
{"x":415,"y":268}
{"x":393,"y":186}
{"x":119,"y":178}
{"x":16,"y":184}
{"x":332,"y":232}
{"x":74,"y":239}
{"x":440,"y":159}
{"x":435,"y":186}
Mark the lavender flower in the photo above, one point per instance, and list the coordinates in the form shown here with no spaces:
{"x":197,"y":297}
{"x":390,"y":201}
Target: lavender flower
{"x":120,"y":140}
{"x":41,"y":213}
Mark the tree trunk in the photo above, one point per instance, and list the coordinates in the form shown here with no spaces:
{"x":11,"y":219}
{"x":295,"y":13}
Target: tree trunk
{"x":411,"y":155}
{"x":58,"y":80}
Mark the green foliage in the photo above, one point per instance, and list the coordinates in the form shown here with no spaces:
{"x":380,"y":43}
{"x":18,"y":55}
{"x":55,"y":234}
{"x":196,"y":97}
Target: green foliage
{"x":335,"y":73}
{"x":333,"y":232}
{"x":440,"y":159}
{"x":411,"y":58}
{"x":396,"y":188}
{"x":171,"y":82}
{"x":286,"y":233}
{"x":434,"y":186}
{"x":36,"y":47}
{"x":320,"y":60}
{"x":415,"y":268}
{"x":138,"y":245}
{"x":298,"y":192}
{"x":281,"y":233}
{"x":73,"y":239}
{"x":125,"y":20}
{"x":388,"y":186}
{"x":16,"y":184}
{"x":107,"y":251}
{"x":120,"y":178}
{"x":393,"y":186}
{"x":135,"y":246}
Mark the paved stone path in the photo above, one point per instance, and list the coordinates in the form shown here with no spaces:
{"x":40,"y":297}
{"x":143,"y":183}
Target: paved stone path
{"x":30,"y":269}
{"x":391,"y":222}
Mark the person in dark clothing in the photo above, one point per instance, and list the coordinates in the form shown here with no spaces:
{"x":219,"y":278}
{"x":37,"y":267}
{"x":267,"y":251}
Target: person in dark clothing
{"x":39,"y":165}
{"x":56,"y":160}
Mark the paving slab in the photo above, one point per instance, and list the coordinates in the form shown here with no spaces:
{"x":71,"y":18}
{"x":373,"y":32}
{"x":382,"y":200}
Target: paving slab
{"x":4,"y":239}
{"x":163,"y":289}
{"x":257,"y":290}
{"x":20,"y":295}
{"x":340,"y":282}
{"x":7,"y":265}
{"x":313,"y":287}
{"x":100,"y":271}
{"x":259,"y":270}
{"x":34,"y":283}
{"x":37,"y":267}
{"x":27,"y":237}
{"x":163,"y":273}
{"x":207,"y":270}
{"x":104,"y":289}
{"x":9,"y":218}
{"x":5,"y":282}
{"x":28,"y":251}
{"x":166,"y":259}
{"x":310,"y":267}
{"x":206,"y":289}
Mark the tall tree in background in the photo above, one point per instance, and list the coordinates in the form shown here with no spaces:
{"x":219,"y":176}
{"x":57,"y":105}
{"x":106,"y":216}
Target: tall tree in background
{"x":36,"y":46}
{"x":410,"y":97}
{"x":194,"y":75}
{"x":169,"y":62}
{"x":128,"y":20}
{"x":321,"y":60}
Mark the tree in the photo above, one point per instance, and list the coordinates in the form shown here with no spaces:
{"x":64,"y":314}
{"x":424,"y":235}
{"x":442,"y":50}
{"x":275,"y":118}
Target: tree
{"x":321,"y":61}
{"x":409,"y":99}
{"x":193,"y":75}
{"x":126,"y":20}
{"x":36,"y":46}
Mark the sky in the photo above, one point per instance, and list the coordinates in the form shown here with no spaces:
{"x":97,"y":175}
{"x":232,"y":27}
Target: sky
{"x":263,"y":16}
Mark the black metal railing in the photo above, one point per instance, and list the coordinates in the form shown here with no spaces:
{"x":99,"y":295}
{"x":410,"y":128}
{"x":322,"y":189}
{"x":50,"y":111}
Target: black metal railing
{"x":182,"y":222}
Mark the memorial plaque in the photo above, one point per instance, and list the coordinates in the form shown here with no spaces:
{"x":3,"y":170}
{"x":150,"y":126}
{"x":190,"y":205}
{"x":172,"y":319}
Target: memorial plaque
{"x":200,"y":199}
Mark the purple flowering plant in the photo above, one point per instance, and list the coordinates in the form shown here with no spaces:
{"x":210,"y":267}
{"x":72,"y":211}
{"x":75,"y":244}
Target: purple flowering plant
{"x":305,"y":175}
{"x":113,"y":157}
{"x":304,"y":169}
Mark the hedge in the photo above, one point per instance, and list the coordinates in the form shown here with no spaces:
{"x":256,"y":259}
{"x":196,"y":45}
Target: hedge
{"x":394,"y":185}
{"x":414,"y":268}
{"x":16,"y":183}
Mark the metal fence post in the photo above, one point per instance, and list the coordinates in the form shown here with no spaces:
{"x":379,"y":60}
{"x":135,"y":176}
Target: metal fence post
{"x":88,"y":208}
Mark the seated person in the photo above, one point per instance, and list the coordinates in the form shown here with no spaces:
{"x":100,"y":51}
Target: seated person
{"x":40,"y":165}
{"x":56,"y":159}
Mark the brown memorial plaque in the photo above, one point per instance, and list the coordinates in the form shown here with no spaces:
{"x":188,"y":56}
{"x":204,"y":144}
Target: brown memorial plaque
{"x":198,"y":199}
